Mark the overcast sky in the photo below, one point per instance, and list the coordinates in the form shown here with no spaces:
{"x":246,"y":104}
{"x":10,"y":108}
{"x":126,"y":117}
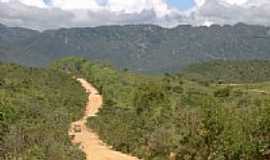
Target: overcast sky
{"x":48,"y":14}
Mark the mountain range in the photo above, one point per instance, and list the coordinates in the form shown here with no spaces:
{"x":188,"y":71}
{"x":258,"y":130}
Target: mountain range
{"x":141,"y":48}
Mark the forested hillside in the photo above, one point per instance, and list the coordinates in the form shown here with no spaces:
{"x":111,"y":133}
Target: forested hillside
{"x":169,"y":117}
{"x":230,"y":71}
{"x":36,"y":109}
{"x":143,"y":48}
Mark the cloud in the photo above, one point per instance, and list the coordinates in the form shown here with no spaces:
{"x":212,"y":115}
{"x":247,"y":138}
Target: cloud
{"x":47,"y":14}
{"x":233,"y":11}
{"x":75,"y":4}
{"x":37,"y":14}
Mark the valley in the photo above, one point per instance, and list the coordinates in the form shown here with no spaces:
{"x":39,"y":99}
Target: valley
{"x":134,"y":80}
{"x":170,"y":116}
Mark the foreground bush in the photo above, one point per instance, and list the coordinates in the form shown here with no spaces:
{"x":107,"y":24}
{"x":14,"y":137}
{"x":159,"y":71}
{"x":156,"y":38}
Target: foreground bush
{"x":168,"y":117}
{"x":36,"y":109}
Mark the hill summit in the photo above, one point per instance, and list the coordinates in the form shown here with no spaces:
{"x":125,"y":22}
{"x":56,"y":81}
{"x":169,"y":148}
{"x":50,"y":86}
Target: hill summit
{"x":143,"y":48}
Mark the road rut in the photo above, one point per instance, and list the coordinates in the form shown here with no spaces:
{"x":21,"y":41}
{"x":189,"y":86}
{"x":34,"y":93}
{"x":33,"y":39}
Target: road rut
{"x":89,"y":141}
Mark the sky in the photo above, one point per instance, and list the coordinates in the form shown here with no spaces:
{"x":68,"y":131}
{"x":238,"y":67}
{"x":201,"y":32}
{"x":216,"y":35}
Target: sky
{"x":52,"y":14}
{"x":181,"y":4}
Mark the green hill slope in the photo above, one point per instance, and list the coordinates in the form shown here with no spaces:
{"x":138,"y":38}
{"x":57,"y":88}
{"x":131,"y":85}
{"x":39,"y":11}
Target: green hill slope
{"x":143,"y":48}
{"x":36,"y":109}
{"x":230,"y":71}
{"x":169,"y":117}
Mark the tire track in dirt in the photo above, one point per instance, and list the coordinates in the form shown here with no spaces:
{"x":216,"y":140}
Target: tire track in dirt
{"x":89,"y":141}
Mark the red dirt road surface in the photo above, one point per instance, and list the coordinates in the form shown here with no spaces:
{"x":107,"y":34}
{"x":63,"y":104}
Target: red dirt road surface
{"x":89,"y":141}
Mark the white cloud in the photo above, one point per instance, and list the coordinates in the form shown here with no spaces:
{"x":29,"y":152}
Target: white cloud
{"x":75,"y":4}
{"x":229,"y":2}
{"x":87,"y":12}
{"x":35,"y":3}
{"x":233,"y":11}
{"x":69,"y":13}
{"x":200,"y":3}
{"x":122,"y":6}
{"x":235,"y":2}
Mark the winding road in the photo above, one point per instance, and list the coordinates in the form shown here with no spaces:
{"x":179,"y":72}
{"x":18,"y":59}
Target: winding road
{"x":89,"y":141}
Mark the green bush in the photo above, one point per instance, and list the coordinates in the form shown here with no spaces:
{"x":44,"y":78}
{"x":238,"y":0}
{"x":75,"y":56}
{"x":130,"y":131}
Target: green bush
{"x":36,"y":109}
{"x":162,"y":117}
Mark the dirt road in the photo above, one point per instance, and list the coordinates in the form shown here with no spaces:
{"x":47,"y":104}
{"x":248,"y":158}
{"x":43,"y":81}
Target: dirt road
{"x":89,"y":141}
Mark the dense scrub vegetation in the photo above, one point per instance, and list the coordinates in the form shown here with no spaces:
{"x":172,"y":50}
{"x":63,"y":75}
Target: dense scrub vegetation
{"x":36,"y":109}
{"x":230,"y":71}
{"x":168,"y":117}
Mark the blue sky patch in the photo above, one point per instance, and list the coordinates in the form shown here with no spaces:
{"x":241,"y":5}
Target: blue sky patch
{"x":181,"y":4}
